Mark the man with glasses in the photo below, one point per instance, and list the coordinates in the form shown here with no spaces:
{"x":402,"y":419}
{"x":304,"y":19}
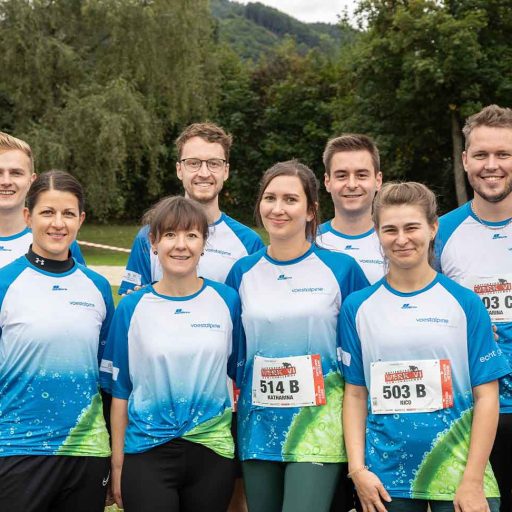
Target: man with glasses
{"x":203,"y":167}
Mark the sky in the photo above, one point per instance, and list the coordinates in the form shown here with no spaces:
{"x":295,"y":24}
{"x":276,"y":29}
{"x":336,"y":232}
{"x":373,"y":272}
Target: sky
{"x":310,"y":10}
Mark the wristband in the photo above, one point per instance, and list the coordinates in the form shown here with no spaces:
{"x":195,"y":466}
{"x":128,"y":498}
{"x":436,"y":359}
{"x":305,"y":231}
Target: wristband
{"x":356,"y":471}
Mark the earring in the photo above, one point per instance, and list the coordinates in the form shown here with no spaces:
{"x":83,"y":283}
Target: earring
{"x":155,"y":252}
{"x":202,"y":254}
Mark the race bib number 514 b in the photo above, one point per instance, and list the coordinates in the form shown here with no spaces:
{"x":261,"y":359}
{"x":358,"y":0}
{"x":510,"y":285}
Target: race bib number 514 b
{"x":288,"y":381}
{"x":411,"y":386}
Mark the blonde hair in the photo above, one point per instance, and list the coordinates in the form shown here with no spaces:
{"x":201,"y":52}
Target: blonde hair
{"x":492,"y":115}
{"x":9,"y":143}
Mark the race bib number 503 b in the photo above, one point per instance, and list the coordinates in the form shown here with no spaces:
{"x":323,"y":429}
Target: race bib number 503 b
{"x":411,"y":386}
{"x":288,"y":381}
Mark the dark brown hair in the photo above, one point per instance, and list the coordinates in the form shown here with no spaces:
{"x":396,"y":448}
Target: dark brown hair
{"x":209,"y":132}
{"x":350,"y":142}
{"x":175,"y":213}
{"x":55,"y":180}
{"x":309,"y":184}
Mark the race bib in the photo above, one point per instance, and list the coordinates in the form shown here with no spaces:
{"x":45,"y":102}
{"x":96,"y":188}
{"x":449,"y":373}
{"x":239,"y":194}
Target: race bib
{"x":411,"y":386}
{"x":288,"y":381}
{"x":496,"y":294}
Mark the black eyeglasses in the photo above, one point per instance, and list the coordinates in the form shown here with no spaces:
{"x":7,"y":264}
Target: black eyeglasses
{"x":194,"y":164}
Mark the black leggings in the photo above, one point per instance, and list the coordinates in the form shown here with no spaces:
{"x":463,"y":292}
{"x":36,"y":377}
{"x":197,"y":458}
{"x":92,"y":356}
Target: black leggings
{"x":53,"y":483}
{"x":501,"y":460}
{"x":178,"y":476}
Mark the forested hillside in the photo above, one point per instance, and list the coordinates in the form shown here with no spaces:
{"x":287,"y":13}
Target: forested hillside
{"x":254,"y":29}
{"x":102,"y":88}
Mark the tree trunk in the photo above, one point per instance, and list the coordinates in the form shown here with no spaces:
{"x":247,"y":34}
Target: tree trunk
{"x":458,"y":169}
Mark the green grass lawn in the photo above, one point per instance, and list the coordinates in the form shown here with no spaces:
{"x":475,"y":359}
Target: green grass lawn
{"x":115,"y":235}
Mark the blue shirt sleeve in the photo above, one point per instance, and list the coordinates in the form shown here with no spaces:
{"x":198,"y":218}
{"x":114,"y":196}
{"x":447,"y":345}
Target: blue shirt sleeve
{"x":77,"y":253}
{"x":115,"y":368}
{"x":486,"y":361}
{"x":138,"y":268}
{"x":349,"y":346}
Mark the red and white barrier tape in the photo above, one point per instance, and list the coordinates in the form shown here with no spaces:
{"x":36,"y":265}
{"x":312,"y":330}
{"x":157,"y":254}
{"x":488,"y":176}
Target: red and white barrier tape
{"x":102,"y":246}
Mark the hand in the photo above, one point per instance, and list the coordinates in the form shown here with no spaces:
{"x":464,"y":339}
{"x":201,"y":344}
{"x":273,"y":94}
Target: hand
{"x":371,"y":491}
{"x":470,"y":498}
{"x":495,"y":332}
{"x":116,"y":485}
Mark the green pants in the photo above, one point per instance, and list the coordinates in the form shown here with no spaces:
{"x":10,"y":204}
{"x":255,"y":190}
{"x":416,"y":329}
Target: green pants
{"x":289,"y":486}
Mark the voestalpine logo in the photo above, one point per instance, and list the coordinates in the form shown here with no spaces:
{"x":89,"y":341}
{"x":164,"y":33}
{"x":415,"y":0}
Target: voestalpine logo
{"x":57,"y":288}
{"x":282,"y":277}
{"x":4,"y":249}
{"x":180,"y":311}
{"x":497,"y":236}
{"x":433,"y":320}
{"x":409,"y":306}
{"x":83,"y":304}
{"x":351,"y":248}
{"x":307,"y":290}
{"x":206,"y":325}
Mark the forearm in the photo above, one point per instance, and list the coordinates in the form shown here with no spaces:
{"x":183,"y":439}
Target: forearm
{"x":483,"y":430}
{"x":354,"y":424}
{"x":118,"y":422}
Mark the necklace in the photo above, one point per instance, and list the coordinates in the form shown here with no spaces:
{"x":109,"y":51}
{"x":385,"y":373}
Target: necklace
{"x":484,"y":223}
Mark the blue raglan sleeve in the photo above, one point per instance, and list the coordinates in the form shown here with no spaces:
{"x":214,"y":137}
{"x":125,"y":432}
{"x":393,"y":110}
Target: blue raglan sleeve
{"x":353,"y":278}
{"x":349,"y":346}
{"x":77,"y":253}
{"x":138,"y":268}
{"x":486,"y":361}
{"x":235,"y":276}
{"x":236,"y":362}
{"x":114,"y":368}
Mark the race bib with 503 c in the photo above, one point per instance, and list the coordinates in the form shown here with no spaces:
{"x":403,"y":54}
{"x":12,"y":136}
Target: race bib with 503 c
{"x":288,"y":381}
{"x":496,"y":294}
{"x":411,"y":386}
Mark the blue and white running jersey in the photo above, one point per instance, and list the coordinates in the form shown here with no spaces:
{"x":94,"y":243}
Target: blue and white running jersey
{"x":365,"y":249}
{"x":479,"y":257}
{"x":169,"y":357}
{"x":290,"y":308}
{"x":420,"y":454}
{"x":53,"y":331}
{"x":228,"y":241}
{"x":14,"y":246}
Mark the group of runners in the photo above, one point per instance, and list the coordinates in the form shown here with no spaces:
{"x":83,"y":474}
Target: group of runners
{"x":368,"y":358}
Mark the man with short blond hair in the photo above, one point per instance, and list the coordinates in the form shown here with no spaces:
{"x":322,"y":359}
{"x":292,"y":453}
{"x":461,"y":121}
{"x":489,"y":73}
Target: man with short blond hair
{"x":474,"y":247}
{"x":16,"y":176}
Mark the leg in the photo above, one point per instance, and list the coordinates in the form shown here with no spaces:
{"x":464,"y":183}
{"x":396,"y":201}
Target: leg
{"x":447,"y":506}
{"x":28,"y":483}
{"x":210,"y":480}
{"x":309,"y":486}
{"x":238,"y":502}
{"x":407,"y":505}
{"x":85,"y":484}
{"x":501,"y":458}
{"x":150,"y":480}
{"x":264,"y":485}
{"x":345,"y":494}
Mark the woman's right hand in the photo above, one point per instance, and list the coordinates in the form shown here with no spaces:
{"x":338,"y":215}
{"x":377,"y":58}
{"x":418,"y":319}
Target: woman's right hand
{"x":116,"y":484}
{"x":371,"y":492}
